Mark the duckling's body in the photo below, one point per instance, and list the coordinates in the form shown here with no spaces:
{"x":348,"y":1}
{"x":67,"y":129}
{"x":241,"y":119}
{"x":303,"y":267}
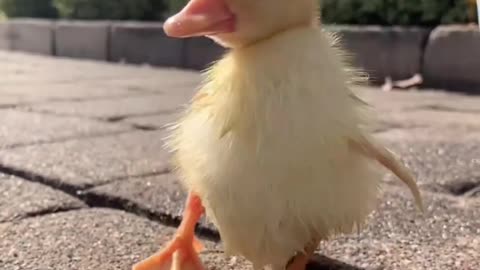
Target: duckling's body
{"x":272,"y":147}
{"x":266,"y":147}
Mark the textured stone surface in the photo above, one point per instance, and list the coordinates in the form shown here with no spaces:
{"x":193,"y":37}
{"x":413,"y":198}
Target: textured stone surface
{"x":452,"y":58}
{"x":436,"y":133}
{"x":33,"y":36}
{"x":399,"y":237}
{"x":443,"y":160}
{"x":22,"y":69}
{"x":384,"y":51}
{"x":19,"y":199}
{"x":111,"y":108}
{"x":92,"y":161}
{"x":85,"y":239}
{"x":161,"y":195}
{"x":427,"y":99}
{"x":155,"y":121}
{"x":145,"y":43}
{"x":87,"y":40}
{"x":23,"y":128}
{"x":63,"y":91}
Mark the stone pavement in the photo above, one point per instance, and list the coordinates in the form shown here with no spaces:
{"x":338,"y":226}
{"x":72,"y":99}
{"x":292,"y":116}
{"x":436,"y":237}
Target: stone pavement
{"x":86,"y":184}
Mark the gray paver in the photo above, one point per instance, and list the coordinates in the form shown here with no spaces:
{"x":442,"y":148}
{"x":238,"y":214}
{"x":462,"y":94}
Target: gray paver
{"x":93,"y":161}
{"x":17,"y":68}
{"x":399,"y":237}
{"x":83,"y":239}
{"x":155,"y":121}
{"x":19,"y":198}
{"x":442,"y":165}
{"x":63,"y":91}
{"x":435,"y":132}
{"x":133,"y":105}
{"x":161,"y":195}
{"x":19,"y":127}
{"x":434,"y":100}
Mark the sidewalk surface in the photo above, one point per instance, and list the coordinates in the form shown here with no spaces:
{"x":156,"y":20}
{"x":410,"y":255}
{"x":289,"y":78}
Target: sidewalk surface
{"x":86,"y":184}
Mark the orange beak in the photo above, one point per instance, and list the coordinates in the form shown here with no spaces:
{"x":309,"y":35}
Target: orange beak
{"x":201,"y":18}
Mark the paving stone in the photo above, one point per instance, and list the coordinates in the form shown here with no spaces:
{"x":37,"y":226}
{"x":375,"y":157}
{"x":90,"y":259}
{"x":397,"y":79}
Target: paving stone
{"x":20,"y":128}
{"x":19,"y":199}
{"x":448,"y":167}
{"x":458,"y":121}
{"x":92,"y":161}
{"x":441,"y":162}
{"x":18,"y":68}
{"x":399,"y":237}
{"x":155,"y":121}
{"x":418,"y":100}
{"x":161,"y":195}
{"x":84,"y":239}
{"x":63,"y":91}
{"x":112,"y":108}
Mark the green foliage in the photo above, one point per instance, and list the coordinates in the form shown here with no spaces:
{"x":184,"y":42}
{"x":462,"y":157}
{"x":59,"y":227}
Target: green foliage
{"x":28,"y":8}
{"x":175,"y":5}
{"x":111,"y":9}
{"x":377,"y":12}
{"x":396,"y":12}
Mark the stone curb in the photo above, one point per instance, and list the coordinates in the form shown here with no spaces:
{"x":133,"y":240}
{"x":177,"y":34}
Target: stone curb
{"x":32,"y":35}
{"x":384,"y":51}
{"x":452,"y":58}
{"x":80,"y":39}
{"x":397,"y":52}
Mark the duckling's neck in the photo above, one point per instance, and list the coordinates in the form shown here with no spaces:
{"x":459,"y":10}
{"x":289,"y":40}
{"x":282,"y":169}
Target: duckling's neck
{"x":282,"y":51}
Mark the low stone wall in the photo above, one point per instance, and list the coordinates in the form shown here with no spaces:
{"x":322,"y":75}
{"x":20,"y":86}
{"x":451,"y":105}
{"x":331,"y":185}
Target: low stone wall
{"x":452,"y":58}
{"x":384,"y":51}
{"x":448,"y":56}
{"x":33,"y":36}
{"x":88,"y":40}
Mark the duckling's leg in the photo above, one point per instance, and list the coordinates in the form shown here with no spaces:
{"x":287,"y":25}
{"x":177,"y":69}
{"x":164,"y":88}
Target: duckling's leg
{"x":181,"y":252}
{"x":301,"y":260}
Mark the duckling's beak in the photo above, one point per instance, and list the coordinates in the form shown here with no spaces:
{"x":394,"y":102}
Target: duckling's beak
{"x":201,"y":18}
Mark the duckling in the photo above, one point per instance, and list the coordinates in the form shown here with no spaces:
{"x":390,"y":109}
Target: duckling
{"x":273,"y":147}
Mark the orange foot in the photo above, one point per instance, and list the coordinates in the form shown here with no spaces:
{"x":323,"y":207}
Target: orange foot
{"x":182,"y":252}
{"x":300,"y":261}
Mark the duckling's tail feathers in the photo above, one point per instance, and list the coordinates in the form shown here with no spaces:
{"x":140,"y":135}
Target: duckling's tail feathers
{"x":388,"y":160}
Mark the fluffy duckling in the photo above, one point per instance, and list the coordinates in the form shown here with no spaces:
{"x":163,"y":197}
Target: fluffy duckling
{"x":272,"y":147}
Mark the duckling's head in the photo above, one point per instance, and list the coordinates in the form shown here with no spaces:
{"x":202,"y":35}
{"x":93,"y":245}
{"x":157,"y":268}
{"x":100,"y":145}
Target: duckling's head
{"x":238,"y":23}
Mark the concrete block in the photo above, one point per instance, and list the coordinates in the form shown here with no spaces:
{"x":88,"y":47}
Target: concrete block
{"x":140,"y":43}
{"x":452,"y":58}
{"x":32,"y":35}
{"x":5,"y":41}
{"x":79,"y":39}
{"x":384,"y":51}
{"x":201,"y":52}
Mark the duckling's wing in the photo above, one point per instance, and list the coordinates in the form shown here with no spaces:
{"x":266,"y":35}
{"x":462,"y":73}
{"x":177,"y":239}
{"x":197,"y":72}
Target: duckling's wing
{"x":387,"y":159}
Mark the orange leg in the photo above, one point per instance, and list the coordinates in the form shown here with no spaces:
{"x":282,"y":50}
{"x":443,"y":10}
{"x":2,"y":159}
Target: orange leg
{"x":300,"y":261}
{"x":181,"y":252}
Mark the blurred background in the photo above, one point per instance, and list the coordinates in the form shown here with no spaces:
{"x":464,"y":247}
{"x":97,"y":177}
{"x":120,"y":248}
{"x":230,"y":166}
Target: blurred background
{"x":399,"y":44}
{"x":373,"y":12}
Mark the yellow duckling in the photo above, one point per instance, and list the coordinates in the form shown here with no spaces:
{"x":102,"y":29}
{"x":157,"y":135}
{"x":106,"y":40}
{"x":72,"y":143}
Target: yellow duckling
{"x":272,"y":147}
